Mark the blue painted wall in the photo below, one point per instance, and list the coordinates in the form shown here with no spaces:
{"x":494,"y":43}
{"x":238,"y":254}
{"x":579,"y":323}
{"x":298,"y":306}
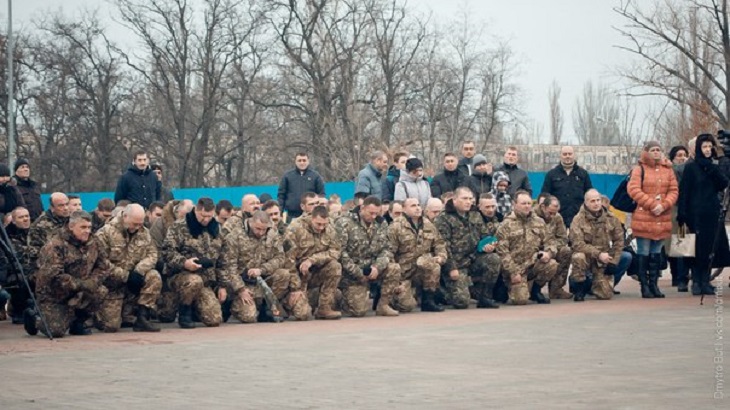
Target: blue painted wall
{"x":605,"y":183}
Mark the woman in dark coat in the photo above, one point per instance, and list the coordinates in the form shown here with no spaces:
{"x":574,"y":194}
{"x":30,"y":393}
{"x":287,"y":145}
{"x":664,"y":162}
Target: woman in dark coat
{"x":699,"y":208}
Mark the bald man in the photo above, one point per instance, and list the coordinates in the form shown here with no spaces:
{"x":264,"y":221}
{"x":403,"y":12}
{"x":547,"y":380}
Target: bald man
{"x":250,"y":203}
{"x":50,"y":221}
{"x":568,"y":183}
{"x":434,"y":207}
{"x":133,"y":279}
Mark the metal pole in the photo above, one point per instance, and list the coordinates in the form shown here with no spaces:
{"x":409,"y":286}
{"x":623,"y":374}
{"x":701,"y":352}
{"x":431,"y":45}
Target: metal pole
{"x":11,"y":100}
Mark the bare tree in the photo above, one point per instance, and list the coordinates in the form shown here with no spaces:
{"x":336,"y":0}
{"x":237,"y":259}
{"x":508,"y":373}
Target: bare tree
{"x":556,"y":114}
{"x":684,"y":53}
{"x":596,"y":116}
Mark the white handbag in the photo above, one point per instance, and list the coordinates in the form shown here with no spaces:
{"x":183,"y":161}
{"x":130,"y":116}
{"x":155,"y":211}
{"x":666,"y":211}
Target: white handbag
{"x":683,"y":244}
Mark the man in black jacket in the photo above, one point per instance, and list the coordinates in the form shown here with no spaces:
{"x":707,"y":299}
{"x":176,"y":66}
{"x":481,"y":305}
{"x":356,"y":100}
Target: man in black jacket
{"x":30,"y":189}
{"x":295,"y":183}
{"x":450,"y":179}
{"x":517,"y":176}
{"x":139,"y":185}
{"x":568,"y":182}
{"x":466,"y":164}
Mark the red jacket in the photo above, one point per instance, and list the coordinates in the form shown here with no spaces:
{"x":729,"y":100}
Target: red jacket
{"x":659,"y":187}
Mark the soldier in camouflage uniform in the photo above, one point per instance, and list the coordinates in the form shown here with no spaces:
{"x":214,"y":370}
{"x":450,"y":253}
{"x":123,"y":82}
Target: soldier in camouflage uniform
{"x":253,"y":250}
{"x":132,"y":256}
{"x":69,"y":281}
{"x":462,"y":229}
{"x":598,"y":241}
{"x":249,"y":204}
{"x":527,"y":255}
{"x":366,"y":259}
{"x":492,"y":219}
{"x":312,"y":246}
{"x":420,"y":252}
{"x":50,"y":221}
{"x":18,"y":234}
{"x":308,"y":202}
{"x":277,"y":222}
{"x":549,"y":210}
{"x":193,"y":254}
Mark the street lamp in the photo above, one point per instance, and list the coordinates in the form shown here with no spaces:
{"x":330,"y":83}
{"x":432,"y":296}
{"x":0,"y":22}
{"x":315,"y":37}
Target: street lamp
{"x":11,"y":109}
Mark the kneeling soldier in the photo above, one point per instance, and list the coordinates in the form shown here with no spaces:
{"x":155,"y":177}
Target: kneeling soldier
{"x":193,"y":254}
{"x":132,"y":256}
{"x":254,"y":249}
{"x":69,"y":280}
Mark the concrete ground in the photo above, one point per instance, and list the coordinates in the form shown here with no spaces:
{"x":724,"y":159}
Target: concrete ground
{"x":627,"y":353}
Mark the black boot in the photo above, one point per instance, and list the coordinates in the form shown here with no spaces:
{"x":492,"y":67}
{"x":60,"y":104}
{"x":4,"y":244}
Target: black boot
{"x":428,"y":303}
{"x":579,"y":291}
{"x":143,"y":324}
{"x":682,"y":273}
{"x":226,"y":309}
{"x":643,"y":265}
{"x":705,"y":287}
{"x":78,"y":326}
{"x":485,"y":300}
{"x":654,"y":272}
{"x":696,"y":288}
{"x":29,"y":321}
{"x":537,"y":296}
{"x":185,"y":317}
{"x":674,"y":270}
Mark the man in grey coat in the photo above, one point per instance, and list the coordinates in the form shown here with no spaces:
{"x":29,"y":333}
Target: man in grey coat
{"x":369,"y":178}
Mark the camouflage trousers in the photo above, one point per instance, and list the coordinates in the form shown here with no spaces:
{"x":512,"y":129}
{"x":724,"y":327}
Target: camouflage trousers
{"x":320,"y":285}
{"x":167,"y":302}
{"x":355,"y":301}
{"x":191,"y":290}
{"x":484,"y":270}
{"x":120,"y":302}
{"x":59,"y":314}
{"x":602,"y":285}
{"x":564,"y":258}
{"x":279,"y":282}
{"x":424,"y":275}
{"x":539,"y":273}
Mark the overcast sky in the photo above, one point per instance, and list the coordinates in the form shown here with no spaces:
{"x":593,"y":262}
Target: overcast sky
{"x":570,"y":41}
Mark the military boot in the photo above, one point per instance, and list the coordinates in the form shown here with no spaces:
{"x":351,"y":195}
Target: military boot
{"x":579,"y":291}
{"x":78,"y":326}
{"x":654,"y":272}
{"x":143,"y":324}
{"x":643,"y":265}
{"x":485,"y":300}
{"x":537,"y":296}
{"x":327,"y":313}
{"x":428,"y":304}
{"x":30,"y":317}
{"x":560,"y":293}
{"x":384,"y":309}
{"x":185,"y":317}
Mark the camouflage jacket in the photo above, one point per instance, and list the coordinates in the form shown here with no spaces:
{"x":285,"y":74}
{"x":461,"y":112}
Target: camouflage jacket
{"x":235,"y":221}
{"x":301,"y":243}
{"x":65,"y":263}
{"x":362,"y":245}
{"x":461,"y":233}
{"x":96,"y":222}
{"x":27,"y":254}
{"x":187,"y":239}
{"x":44,"y":228}
{"x":557,"y":232}
{"x":409,"y":241}
{"x":519,"y":241}
{"x":591,"y":234}
{"x":244,"y":251}
{"x":491,"y":224}
{"x":126,"y":252}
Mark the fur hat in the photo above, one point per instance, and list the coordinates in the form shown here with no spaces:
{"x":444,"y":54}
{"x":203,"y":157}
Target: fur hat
{"x":651,"y":144}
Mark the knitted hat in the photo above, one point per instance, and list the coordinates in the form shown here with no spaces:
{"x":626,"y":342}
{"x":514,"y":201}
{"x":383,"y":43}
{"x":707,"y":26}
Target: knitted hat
{"x":651,"y":144}
{"x":4,"y":170}
{"x":413,"y":164}
{"x":479,"y":159}
{"x":20,"y":162}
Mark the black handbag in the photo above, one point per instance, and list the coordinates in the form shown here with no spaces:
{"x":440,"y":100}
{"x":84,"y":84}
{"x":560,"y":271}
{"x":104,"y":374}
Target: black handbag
{"x":621,"y":199}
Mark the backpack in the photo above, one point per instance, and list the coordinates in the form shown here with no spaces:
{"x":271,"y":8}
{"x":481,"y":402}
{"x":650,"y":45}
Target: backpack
{"x":621,"y":199}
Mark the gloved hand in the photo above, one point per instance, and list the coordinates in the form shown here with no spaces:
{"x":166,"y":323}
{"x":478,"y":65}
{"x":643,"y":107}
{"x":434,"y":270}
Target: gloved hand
{"x":135,"y":281}
{"x":88,"y":285}
{"x":206,"y":263}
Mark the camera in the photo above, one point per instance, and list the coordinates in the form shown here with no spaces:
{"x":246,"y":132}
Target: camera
{"x":723,"y":138}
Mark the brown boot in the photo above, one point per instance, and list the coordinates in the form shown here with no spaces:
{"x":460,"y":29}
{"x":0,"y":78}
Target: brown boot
{"x":559,"y":293}
{"x":327,"y":313}
{"x":384,"y":309}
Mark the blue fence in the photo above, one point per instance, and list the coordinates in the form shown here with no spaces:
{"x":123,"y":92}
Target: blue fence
{"x":604,"y":183}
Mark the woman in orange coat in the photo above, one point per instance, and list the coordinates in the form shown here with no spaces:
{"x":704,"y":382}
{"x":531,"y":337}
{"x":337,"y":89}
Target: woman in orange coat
{"x":655,"y":194}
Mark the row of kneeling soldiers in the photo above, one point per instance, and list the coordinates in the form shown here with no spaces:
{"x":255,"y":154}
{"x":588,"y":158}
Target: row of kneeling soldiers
{"x":319,"y":266}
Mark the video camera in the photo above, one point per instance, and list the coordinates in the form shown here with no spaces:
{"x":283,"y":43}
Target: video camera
{"x":723,"y":137}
